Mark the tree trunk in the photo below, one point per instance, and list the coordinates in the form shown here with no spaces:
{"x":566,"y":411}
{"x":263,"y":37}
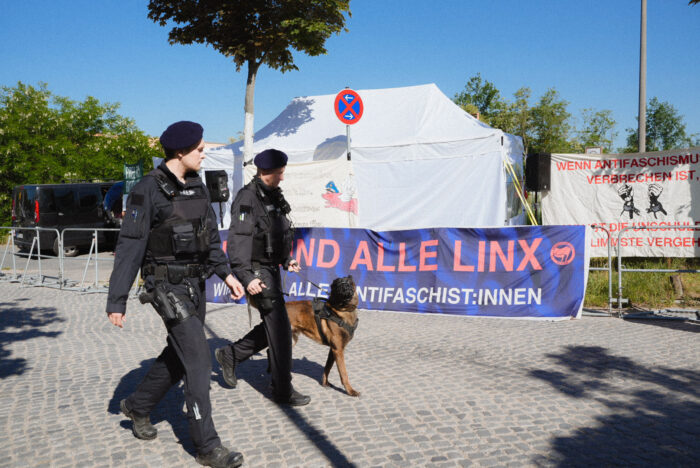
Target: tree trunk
{"x":249,"y":111}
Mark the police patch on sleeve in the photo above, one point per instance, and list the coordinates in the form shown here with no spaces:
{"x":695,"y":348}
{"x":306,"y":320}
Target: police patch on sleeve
{"x":243,"y":224}
{"x":244,"y":213}
{"x":135,"y":222}
{"x":137,"y":199}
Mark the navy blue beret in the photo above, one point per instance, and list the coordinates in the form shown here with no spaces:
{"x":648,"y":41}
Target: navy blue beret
{"x":270,"y":159}
{"x":181,"y":135}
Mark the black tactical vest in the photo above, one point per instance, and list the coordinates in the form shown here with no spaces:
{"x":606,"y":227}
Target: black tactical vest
{"x":274,"y":234}
{"x":183,"y":236}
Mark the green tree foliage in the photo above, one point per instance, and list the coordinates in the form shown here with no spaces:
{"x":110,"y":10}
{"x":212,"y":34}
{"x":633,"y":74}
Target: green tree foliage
{"x":253,"y":33}
{"x":480,"y":94}
{"x":665,"y":129}
{"x":550,"y":125}
{"x":597,"y":130}
{"x":521,"y":120}
{"x":482,"y":97}
{"x":53,"y":139}
{"x":514,"y":117}
{"x":546,"y":126}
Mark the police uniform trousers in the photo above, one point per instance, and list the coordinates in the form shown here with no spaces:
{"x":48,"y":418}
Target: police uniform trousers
{"x":274,"y":331}
{"x":186,"y":357}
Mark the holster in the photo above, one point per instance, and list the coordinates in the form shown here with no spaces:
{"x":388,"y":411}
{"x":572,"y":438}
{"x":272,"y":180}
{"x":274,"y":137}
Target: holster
{"x":172,"y":308}
{"x":266,"y":300}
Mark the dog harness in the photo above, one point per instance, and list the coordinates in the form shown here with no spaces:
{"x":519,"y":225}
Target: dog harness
{"x":323,"y":312}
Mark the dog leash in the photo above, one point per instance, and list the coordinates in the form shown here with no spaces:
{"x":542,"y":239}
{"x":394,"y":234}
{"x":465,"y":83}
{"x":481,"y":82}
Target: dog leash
{"x":284,"y":293}
{"x":309,"y":281}
{"x":284,"y":285}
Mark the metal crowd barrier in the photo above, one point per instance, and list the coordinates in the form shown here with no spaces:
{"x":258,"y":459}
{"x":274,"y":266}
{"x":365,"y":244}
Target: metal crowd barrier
{"x":92,"y":257}
{"x":621,"y":269}
{"x":607,"y":268}
{"x":11,"y":269}
{"x":9,"y":247}
{"x":37,"y":278}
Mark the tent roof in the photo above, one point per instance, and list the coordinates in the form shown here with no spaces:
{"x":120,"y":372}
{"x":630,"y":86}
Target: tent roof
{"x":421,"y":119}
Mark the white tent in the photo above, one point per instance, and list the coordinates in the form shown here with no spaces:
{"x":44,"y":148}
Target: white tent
{"x":417,"y":161}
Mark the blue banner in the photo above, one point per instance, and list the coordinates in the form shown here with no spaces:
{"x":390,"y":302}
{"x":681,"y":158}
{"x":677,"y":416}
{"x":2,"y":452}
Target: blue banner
{"x":524,"y":271}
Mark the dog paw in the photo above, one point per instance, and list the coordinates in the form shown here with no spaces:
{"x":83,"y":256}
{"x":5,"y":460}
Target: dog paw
{"x":354,"y":393}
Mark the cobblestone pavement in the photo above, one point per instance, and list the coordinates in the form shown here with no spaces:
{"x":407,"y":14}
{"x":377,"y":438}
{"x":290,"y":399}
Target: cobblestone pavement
{"x":436,"y":391}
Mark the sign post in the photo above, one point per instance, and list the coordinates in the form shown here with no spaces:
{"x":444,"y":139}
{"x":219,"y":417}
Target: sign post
{"x":348,"y":108}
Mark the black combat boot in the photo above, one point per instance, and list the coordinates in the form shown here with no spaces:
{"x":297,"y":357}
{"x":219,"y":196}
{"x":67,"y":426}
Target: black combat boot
{"x":142,"y":427}
{"x":221,"y":457}
{"x":293,"y":399}
{"x":227,"y":361}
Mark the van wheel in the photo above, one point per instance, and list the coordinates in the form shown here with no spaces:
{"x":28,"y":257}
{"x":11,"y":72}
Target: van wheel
{"x":68,"y":250}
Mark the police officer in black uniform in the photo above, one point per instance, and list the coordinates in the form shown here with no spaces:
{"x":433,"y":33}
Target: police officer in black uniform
{"x":259,"y":241}
{"x":170,"y":232}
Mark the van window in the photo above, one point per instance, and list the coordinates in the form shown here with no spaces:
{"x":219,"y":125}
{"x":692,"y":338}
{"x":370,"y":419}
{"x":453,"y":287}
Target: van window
{"x":46,"y":202}
{"x":18,"y":199}
{"x":64,"y":198}
{"x":88,"y":197}
{"x":27,"y":197}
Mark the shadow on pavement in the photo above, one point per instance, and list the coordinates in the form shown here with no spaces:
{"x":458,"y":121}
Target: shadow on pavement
{"x":672,"y":323}
{"x":169,"y":409}
{"x":254,"y":372}
{"x":335,"y":457}
{"x":647,"y":427}
{"x":20,"y":324}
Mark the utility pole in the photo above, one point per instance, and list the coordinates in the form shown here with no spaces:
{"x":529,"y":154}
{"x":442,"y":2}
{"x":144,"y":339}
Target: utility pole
{"x":642,"y":132}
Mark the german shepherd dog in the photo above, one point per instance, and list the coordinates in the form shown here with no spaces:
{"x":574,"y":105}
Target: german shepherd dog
{"x":337,"y":317}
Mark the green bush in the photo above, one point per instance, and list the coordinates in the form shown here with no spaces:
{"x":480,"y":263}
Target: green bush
{"x":645,"y":289}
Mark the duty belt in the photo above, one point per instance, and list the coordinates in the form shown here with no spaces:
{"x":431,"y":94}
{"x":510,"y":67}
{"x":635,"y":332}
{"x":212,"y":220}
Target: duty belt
{"x":174,"y":273}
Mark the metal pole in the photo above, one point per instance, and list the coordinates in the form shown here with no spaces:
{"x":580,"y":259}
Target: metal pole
{"x":97,"y":260}
{"x":347,"y":128}
{"x":610,"y":268}
{"x":643,"y":81}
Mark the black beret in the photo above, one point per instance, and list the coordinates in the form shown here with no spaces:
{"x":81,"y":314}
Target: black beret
{"x":181,"y":135}
{"x":270,"y":159}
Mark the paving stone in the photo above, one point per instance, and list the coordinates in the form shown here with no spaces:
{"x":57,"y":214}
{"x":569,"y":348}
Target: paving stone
{"x":436,"y":391}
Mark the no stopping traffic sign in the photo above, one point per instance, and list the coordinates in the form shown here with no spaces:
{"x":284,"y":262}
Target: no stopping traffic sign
{"x":348,"y":106}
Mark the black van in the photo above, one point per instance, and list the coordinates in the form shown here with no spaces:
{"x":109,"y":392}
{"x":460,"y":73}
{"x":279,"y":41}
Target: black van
{"x":59,"y":206}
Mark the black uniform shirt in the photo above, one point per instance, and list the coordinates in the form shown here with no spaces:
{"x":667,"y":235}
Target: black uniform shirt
{"x":146,"y":207}
{"x":246,"y":236}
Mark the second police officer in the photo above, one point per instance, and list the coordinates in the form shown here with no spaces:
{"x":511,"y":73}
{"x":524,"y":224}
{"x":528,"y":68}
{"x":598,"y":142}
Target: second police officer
{"x":259,"y":241}
{"x":170,"y":232}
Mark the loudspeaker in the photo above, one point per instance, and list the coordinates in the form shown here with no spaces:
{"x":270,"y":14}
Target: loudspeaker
{"x":217,"y":184}
{"x":537,"y":172}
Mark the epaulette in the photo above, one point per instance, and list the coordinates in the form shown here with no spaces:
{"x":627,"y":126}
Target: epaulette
{"x":166,"y":185}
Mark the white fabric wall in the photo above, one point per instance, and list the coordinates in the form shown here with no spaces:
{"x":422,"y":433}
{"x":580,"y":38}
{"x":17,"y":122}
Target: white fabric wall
{"x":451,"y":192}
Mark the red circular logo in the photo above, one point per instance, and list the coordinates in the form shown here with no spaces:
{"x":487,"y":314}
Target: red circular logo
{"x":562,"y":253}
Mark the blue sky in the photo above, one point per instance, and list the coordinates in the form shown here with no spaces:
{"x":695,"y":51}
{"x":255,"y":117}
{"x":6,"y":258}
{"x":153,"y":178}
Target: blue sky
{"x":587,"y":50}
